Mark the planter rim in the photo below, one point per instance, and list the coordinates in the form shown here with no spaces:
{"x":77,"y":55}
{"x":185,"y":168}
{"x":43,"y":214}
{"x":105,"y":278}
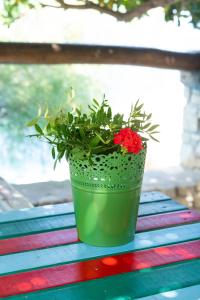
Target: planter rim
{"x":109,"y":173}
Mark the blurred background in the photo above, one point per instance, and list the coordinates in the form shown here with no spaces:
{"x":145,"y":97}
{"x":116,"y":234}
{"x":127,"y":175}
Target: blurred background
{"x":173,"y":97}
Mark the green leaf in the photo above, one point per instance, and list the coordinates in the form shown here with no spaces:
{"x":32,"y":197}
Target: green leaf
{"x":149,"y":117}
{"x":33,"y":135}
{"x":153,"y":127}
{"x":78,"y":153}
{"x":82,"y":134}
{"x":46,"y":113}
{"x":48,"y":127}
{"x":32,"y":122}
{"x":96,"y":102}
{"x":139,"y":107}
{"x":153,"y":138}
{"x":91,"y":109}
{"x":91,"y":162}
{"x":78,"y":112}
{"x":53,"y":153}
{"x":135,"y":106}
{"x":40,"y":112}
{"x":95,"y":141}
{"x":70,"y":117}
{"x":145,"y":139}
{"x":38,"y":129}
{"x":71,"y":94}
{"x":101,"y":139}
{"x":55,"y":163}
{"x":61,"y":154}
{"x":109,"y":113}
{"x":146,"y":126}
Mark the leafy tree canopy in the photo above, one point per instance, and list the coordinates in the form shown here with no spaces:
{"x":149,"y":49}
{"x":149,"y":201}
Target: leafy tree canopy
{"x":124,"y":10}
{"x":25,"y":88}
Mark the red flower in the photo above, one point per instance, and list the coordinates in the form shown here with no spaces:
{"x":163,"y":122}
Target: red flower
{"x":129,"y":139}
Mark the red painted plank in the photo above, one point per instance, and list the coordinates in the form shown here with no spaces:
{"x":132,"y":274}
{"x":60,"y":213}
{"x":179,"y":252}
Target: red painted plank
{"x":87,"y":270}
{"x":38,"y":241}
{"x":68,"y":236}
{"x":168,"y":219}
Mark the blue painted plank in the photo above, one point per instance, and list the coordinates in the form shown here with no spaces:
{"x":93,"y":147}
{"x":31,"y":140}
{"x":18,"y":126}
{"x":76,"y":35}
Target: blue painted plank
{"x":24,"y":227}
{"x":37,"y":212}
{"x":60,"y":209}
{"x":188,"y":293}
{"x":153,"y":196}
{"x":20,"y":228}
{"x":76,"y":252}
{"x":159,"y":207}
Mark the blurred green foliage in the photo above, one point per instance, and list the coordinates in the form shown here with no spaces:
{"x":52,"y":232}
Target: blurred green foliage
{"x":25,"y":88}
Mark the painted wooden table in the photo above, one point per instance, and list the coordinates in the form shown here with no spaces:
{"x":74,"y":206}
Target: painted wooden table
{"x":41,"y":257}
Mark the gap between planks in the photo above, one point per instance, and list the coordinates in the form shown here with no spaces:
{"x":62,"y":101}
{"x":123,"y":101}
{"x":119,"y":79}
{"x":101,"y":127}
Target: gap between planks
{"x":79,"y":252}
{"x":60,"y":209}
{"x":24,"y":227}
{"x":69,"y":236}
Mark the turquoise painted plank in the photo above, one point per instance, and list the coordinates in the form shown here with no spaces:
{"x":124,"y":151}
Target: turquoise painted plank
{"x":19,"y":228}
{"x":59,"y":209}
{"x":159,"y":207}
{"x":76,"y":252}
{"x":153,"y":196}
{"x":188,"y":293}
{"x":126,"y":286}
{"x":36,"y":212}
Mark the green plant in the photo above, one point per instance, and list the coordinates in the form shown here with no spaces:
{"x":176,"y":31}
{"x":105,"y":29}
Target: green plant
{"x":83,"y":134}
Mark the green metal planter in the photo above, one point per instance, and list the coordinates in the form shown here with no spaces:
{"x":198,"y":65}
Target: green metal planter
{"x":106,"y":197}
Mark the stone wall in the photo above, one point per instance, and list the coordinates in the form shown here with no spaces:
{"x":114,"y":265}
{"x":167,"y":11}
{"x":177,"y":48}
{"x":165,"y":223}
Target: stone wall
{"x":178,"y":183}
{"x":190,"y":153}
{"x":10,"y":198}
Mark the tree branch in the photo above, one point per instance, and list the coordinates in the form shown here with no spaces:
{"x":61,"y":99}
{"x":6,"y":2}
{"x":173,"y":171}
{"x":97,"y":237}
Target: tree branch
{"x":127,"y":16}
{"x":36,"y":53}
{"x":143,"y":8}
{"x":84,"y":6}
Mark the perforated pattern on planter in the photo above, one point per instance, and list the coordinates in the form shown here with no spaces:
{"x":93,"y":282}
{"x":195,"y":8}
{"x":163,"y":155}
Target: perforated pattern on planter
{"x":113,"y":172}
